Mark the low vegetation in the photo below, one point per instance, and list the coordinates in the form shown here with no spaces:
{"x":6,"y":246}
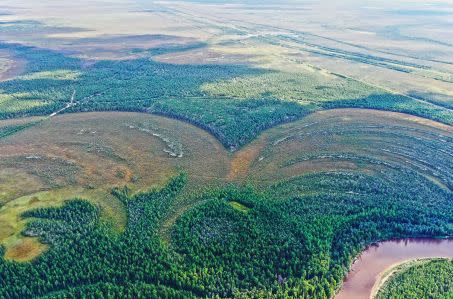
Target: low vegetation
{"x":348,"y":139}
{"x":6,"y":131}
{"x":201,"y":242}
{"x":235,"y":103}
{"x":225,"y":249}
{"x":84,"y":155}
{"x":133,"y":205}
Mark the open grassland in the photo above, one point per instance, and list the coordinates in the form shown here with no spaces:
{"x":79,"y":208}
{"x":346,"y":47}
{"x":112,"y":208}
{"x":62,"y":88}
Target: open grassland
{"x":53,"y":83}
{"x":233,"y":102}
{"x":111,"y":148}
{"x":382,"y":45}
{"x":378,"y":45}
{"x":226,"y":245}
{"x":279,"y":192}
{"x":85,"y":155}
{"x":350,"y":139}
{"x":425,"y":278}
{"x":9,"y":66}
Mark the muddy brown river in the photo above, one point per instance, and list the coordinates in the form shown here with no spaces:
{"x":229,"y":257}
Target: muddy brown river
{"x":377,"y":258}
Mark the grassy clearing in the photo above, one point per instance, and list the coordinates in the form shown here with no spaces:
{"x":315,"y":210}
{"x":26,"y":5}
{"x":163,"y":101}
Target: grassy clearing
{"x":69,"y":75}
{"x":302,"y":241}
{"x":17,"y":246}
{"x":17,"y":102}
{"x":303,"y":86}
{"x":10,"y":67}
{"x":344,"y":179}
{"x":15,"y":183}
{"x":234,"y":102}
{"x":348,"y":139}
{"x":86,"y":155}
{"x":21,"y":248}
{"x":238,"y":206}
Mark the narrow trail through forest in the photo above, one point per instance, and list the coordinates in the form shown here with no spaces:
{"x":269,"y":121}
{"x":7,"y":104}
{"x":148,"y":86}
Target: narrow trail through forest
{"x":68,"y":105}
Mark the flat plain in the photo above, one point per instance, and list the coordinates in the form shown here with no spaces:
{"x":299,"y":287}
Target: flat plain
{"x":194,"y":135}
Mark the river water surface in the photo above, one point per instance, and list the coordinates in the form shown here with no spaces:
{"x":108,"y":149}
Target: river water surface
{"x":377,"y":258}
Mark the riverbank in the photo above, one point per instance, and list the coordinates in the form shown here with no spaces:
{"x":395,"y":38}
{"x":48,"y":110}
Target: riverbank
{"x":378,"y":259}
{"x":420,"y":278}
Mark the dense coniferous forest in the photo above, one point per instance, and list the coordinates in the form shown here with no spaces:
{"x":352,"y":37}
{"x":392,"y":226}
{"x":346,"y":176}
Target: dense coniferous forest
{"x":294,"y":237}
{"x":199,"y":94}
{"x":238,"y":242}
{"x":420,"y":279}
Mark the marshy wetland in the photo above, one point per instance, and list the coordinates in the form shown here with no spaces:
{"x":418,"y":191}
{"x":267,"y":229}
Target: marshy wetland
{"x":202,"y":149}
